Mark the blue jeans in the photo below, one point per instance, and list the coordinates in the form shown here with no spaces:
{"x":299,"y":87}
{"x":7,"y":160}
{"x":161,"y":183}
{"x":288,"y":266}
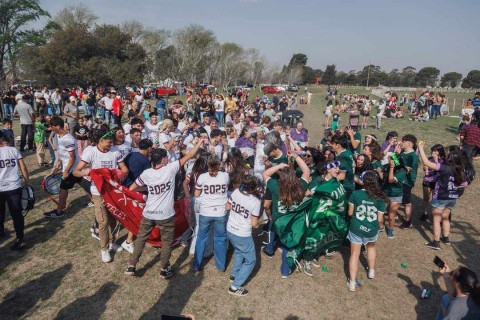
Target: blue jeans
{"x":219,"y":241}
{"x":244,"y":258}
{"x":56,"y":108}
{"x":270,"y":248}
{"x":89,"y":110}
{"x":284,"y":268}
{"x":8,"y":111}
{"x":109,"y":117}
{"x":219,"y":115}
{"x":161,"y":114}
{"x":444,"y":303}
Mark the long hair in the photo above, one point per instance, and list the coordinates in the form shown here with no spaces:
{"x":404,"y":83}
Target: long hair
{"x":200,"y":166}
{"x":375,"y":150}
{"x":251,"y":186}
{"x":440,"y":149}
{"x":290,"y":189}
{"x":454,"y":160}
{"x":213,"y":164}
{"x":372,"y":187}
{"x":468,"y":281}
{"x":235,"y":167}
{"x":366,"y":166}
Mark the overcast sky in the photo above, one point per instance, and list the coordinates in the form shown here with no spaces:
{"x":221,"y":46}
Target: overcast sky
{"x":349,"y":33}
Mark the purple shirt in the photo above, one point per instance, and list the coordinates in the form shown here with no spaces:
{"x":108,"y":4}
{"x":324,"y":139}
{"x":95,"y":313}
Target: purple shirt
{"x":243,"y":142}
{"x":301,"y":136}
{"x":385,"y":145}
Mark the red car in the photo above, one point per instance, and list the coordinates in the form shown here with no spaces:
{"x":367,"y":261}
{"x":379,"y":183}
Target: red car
{"x":165,"y":91}
{"x":271,"y":89}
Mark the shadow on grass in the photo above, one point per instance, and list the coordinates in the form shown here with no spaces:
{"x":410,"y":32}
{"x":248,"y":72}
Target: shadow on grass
{"x":178,"y":292}
{"x":21,"y":302}
{"x":91,"y":307}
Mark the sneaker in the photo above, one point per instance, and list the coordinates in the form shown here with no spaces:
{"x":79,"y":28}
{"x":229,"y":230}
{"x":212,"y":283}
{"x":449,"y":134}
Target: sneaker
{"x":285,"y":277}
{"x":390,"y":233}
{"x":424,"y":217}
{"x":90,"y":204}
{"x":95,"y":233}
{"x":232,"y":278}
{"x":18,"y":245}
{"x":113,"y":247}
{"x":407,"y":224}
{"x":446,"y":241}
{"x":315,"y":263}
{"x":166,"y":273}
{"x":128,"y":246}
{"x":54,"y":214}
{"x":268,"y":254}
{"x":329,"y":253}
{"x":435,"y":245}
{"x":381,"y":229}
{"x":106,"y":257}
{"x":307,"y":269}
{"x":371,"y":274}
{"x":351,"y":286}
{"x":130,"y":271}
{"x":241,"y":292}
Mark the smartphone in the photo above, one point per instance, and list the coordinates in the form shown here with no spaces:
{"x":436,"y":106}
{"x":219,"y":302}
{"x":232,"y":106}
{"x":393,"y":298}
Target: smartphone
{"x":439,"y":262}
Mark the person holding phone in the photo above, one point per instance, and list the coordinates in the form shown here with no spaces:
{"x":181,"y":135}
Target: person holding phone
{"x":462,"y":300}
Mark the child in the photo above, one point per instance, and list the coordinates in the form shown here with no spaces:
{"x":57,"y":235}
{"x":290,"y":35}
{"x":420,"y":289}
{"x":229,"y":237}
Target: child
{"x":366,"y":207}
{"x":8,"y":132}
{"x":410,"y":159}
{"x":81,"y":134}
{"x":39,"y":139}
{"x":88,"y":120}
{"x":336,"y":119}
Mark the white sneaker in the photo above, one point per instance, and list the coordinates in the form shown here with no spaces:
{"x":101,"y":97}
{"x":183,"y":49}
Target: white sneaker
{"x":128,"y":246}
{"x":371,"y":273}
{"x":114,"y":247}
{"x":106,"y":256}
{"x":351,"y":286}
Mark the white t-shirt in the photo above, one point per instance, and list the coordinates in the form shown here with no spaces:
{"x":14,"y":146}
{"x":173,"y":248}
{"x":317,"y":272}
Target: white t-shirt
{"x":107,"y":102}
{"x":9,"y":170}
{"x":125,"y":148}
{"x":151,"y":131}
{"x":243,"y":208}
{"x":162,"y":139}
{"x":231,"y":142}
{"x":67,"y":143}
{"x":98,"y":160}
{"x":126,"y":128}
{"x":214,"y":193}
{"x":161,"y":187}
{"x":259,"y":164}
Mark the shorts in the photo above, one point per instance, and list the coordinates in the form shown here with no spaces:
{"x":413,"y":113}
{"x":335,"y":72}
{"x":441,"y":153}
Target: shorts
{"x":356,"y":239}
{"x":429,"y":184}
{"x":442,"y":204}
{"x":68,"y":183}
{"x":407,"y":194}
{"x":395,"y":199}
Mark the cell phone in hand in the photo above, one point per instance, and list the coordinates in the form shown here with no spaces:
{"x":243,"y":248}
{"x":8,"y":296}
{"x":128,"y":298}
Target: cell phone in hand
{"x":439,"y":262}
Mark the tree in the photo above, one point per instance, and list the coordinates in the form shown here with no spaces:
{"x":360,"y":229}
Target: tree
{"x":78,"y":14}
{"x":330,"y":75}
{"x":371,"y":75}
{"x":427,"y":76}
{"x":451,"y":79}
{"x":232,"y":64}
{"x":308,"y":75}
{"x":298,"y":59}
{"x":293,"y":74}
{"x":394,"y":78}
{"x":15,"y":15}
{"x":472,"y":80}
{"x":407,"y":76}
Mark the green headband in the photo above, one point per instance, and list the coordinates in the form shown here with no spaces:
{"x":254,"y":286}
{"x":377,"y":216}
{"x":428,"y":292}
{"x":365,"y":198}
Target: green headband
{"x":109,"y":134}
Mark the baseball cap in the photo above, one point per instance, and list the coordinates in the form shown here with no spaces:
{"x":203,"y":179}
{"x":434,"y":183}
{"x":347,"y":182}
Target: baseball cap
{"x":72,"y":98}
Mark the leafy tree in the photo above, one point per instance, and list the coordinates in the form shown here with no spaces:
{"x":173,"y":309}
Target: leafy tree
{"x":371,"y":75}
{"x":73,"y":15}
{"x":472,"y":80}
{"x":451,"y":79}
{"x":15,"y":15}
{"x":407,"y":76}
{"x":308,"y":75}
{"x":394,"y":78}
{"x":342,"y":77}
{"x":298,"y":59}
{"x":330,"y":75}
{"x":427,"y":76}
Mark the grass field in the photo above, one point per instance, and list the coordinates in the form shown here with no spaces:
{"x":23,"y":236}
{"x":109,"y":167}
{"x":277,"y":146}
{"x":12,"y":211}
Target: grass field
{"x":61,"y":276}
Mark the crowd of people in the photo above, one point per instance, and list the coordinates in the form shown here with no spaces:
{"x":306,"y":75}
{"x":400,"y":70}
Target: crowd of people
{"x":241,"y":164}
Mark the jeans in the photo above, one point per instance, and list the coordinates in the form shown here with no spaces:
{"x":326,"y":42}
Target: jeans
{"x":219,"y":115}
{"x":194,"y":217}
{"x":244,"y":258}
{"x":219,"y":241}
{"x":412,"y":106}
{"x":108,"y":116}
{"x":445,"y":302}
{"x":378,"y":123}
{"x":435,"y":110}
{"x":469,"y":150}
{"x":90,"y":110}
{"x":161,"y":114}
{"x":56,"y":108}
{"x":270,"y":248}
{"x":52,"y":152}
{"x":284,"y":268}
{"x":27,"y":129}
{"x":13,"y":199}
{"x":8,"y":111}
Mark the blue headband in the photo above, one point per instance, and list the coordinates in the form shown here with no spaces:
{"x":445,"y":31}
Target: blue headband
{"x":331,"y":165}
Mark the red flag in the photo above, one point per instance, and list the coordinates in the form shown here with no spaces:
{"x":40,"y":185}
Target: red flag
{"x":127,"y":206}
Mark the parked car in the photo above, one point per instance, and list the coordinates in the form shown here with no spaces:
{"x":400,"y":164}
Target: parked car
{"x":272,"y":89}
{"x":293,"y":88}
{"x":166,"y":91}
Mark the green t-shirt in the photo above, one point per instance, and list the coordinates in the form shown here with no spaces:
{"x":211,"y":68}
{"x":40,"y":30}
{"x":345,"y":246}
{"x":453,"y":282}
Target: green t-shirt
{"x":358,"y":150}
{"x":347,"y":164}
{"x":277,"y":206}
{"x":39,"y":135}
{"x":364,"y":221}
{"x":395,"y":189}
{"x":329,"y":194}
{"x":276,"y":161}
{"x":410,"y":160}
{"x":313,"y":171}
{"x":377,"y":164}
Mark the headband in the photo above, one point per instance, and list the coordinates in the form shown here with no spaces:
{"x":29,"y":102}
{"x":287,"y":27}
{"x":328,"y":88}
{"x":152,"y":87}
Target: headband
{"x":371,"y":137}
{"x":109,"y":134}
{"x":331,"y":165}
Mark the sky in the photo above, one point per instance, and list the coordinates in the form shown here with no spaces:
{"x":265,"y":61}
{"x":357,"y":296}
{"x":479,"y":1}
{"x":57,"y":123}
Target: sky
{"x":347,"y":33}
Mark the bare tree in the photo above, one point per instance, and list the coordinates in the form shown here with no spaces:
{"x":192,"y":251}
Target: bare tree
{"x":76,"y":14}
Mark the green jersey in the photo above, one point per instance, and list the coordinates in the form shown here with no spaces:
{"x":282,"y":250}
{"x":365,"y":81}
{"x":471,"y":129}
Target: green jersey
{"x":357,"y":136}
{"x":364,"y":222}
{"x":395,"y":189}
{"x":39,"y":135}
{"x":281,"y":159}
{"x":410,"y":160}
{"x":329,"y":195}
{"x":313,"y":172}
{"x":347,"y":164}
{"x":277,"y":207}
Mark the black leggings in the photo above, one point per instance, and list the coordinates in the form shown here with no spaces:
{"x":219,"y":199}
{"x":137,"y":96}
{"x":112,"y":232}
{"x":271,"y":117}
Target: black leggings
{"x":13,"y":199}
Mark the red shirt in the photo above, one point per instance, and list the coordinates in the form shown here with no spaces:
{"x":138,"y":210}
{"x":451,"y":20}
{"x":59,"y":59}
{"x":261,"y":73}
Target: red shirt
{"x":471,"y":135}
{"x":117,"y":107}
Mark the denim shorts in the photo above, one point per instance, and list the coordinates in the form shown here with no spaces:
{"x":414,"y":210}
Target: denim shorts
{"x":395,"y":199}
{"x":356,"y":239}
{"x":442,"y":204}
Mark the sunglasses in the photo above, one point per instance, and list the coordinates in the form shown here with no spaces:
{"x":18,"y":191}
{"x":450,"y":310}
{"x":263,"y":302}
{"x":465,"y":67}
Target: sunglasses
{"x":307,"y":156}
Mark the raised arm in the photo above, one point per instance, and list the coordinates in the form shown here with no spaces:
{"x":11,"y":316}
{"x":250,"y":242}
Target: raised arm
{"x":423,"y":156}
